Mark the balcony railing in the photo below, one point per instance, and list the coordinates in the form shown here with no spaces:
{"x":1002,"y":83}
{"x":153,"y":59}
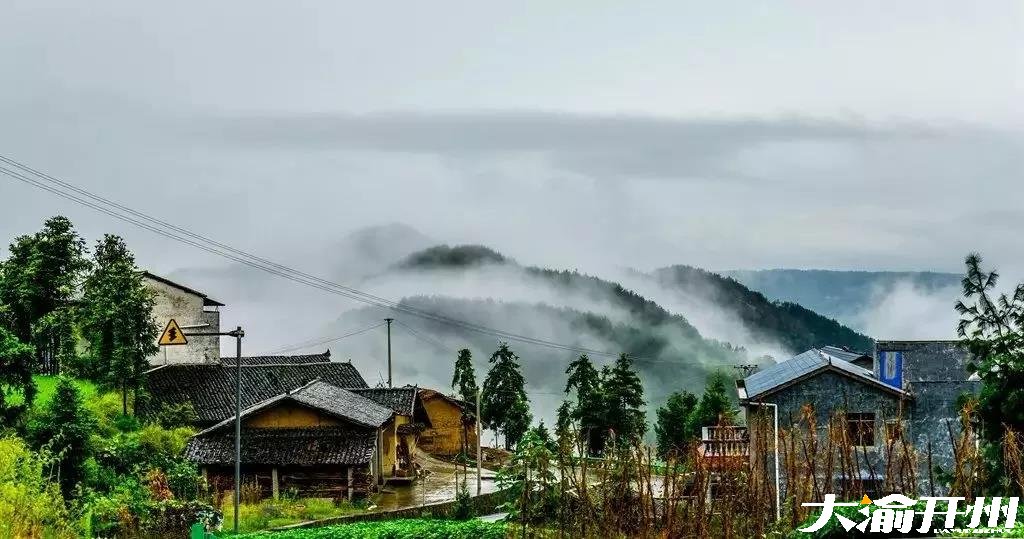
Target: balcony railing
{"x":724,"y":441}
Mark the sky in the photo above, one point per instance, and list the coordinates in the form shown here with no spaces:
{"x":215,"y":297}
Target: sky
{"x":839,"y":135}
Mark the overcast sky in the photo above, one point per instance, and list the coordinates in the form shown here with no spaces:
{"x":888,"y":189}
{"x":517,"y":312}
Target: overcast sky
{"x":867,"y":135}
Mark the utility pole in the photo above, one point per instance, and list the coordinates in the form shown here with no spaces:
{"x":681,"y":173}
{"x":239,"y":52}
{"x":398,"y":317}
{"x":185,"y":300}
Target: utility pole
{"x":237,"y":333}
{"x":389,"y":320}
{"x":238,"y":420}
{"x":479,"y":451}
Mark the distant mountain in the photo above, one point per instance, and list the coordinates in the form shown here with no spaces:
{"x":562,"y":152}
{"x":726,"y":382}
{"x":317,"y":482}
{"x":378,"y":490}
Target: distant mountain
{"x":838,"y":294}
{"x":445,"y":257}
{"x":478,"y":284}
{"x":793,"y":326}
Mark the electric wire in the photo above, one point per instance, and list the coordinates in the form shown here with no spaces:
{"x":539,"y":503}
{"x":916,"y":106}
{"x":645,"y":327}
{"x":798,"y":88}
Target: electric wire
{"x":182,"y":235}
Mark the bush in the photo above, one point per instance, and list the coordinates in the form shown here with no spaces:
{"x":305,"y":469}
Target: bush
{"x":397,"y":529}
{"x":173,"y":518}
{"x":30,"y":505}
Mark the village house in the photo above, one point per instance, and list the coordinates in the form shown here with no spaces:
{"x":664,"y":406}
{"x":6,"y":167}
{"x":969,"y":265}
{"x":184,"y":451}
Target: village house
{"x":318,"y":440}
{"x":308,"y":444}
{"x":450,"y":425}
{"x":310,"y":424}
{"x":192,"y":310}
{"x":907,"y":391}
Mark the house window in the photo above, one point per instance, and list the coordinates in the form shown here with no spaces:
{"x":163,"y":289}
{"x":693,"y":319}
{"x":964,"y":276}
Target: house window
{"x":860,"y":427}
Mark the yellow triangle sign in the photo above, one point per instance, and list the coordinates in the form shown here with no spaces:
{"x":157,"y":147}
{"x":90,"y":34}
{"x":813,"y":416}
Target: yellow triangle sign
{"x":172,"y":335}
{"x":865,"y":500}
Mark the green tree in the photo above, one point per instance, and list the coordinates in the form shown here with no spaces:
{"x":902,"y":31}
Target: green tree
{"x":624,"y":402}
{"x":714,"y":408}
{"x":504,"y":406}
{"x":530,"y":481}
{"x":66,"y":425}
{"x":117,"y":319}
{"x":15,"y":376}
{"x":464,"y":379}
{"x":673,"y":419}
{"x":992,"y":329}
{"x":589,"y":409}
{"x":38,"y":285}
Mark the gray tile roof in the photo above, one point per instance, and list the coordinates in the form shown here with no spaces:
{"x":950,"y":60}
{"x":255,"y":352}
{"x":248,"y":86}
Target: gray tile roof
{"x":322,"y":396}
{"x":805,"y":364}
{"x":210,"y":388}
{"x":309,"y":446}
{"x":342,"y":403}
{"x":279,"y":360}
{"x":400,"y":399}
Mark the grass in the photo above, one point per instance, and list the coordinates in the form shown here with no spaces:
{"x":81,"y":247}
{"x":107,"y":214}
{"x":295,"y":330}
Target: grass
{"x":273,"y":513}
{"x":396,"y":529}
{"x":47,"y":384}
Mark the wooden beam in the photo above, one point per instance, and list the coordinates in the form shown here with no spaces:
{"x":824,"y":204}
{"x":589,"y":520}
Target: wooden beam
{"x":349,"y":489}
{"x":273,"y":481}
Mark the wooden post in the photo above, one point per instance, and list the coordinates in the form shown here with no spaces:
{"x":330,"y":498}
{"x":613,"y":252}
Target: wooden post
{"x":273,"y":481}
{"x":349,"y":489}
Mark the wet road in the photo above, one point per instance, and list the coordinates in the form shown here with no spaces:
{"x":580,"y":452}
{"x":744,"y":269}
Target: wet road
{"x":438,"y":485}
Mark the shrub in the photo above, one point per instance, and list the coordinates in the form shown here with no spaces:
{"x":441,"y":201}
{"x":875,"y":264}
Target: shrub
{"x":30,"y":505}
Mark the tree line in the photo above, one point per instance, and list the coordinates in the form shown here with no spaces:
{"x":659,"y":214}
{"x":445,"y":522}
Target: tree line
{"x":66,"y":310}
{"x":604,"y":405}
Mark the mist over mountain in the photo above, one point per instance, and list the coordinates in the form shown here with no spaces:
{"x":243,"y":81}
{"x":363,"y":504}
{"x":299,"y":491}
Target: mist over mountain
{"x":679,"y":323}
{"x":910,"y":304}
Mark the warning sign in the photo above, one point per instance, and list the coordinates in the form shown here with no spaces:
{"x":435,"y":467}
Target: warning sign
{"x":172,"y":335}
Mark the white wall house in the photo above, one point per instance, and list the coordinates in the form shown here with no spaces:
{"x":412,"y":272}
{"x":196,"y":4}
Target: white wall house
{"x":193,"y":310}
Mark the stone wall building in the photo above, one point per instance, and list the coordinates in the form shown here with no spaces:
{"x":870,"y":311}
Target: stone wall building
{"x":906,"y":391}
{"x":193,"y":310}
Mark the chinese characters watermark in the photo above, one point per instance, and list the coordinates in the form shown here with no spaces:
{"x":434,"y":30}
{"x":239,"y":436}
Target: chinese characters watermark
{"x":898,"y":513}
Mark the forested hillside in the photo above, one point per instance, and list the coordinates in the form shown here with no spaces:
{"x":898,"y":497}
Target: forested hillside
{"x":838,"y":294}
{"x":794,"y":326}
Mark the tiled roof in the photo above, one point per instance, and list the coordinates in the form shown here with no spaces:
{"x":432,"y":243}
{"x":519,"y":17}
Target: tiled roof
{"x":279,"y":360}
{"x":309,"y":446}
{"x":322,"y":396}
{"x":430,"y":393}
{"x":343,"y":403}
{"x":400,"y":399}
{"x":210,"y":388}
{"x":806,"y":364}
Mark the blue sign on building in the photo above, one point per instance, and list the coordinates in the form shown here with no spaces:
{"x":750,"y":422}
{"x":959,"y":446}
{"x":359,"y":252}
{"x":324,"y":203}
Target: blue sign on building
{"x":890,"y":368}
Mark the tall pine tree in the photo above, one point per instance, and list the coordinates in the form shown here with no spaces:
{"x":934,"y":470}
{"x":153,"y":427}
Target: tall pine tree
{"x":589,"y":409}
{"x":624,"y":402}
{"x":464,"y":379}
{"x":504,"y":406}
{"x":117,"y":319}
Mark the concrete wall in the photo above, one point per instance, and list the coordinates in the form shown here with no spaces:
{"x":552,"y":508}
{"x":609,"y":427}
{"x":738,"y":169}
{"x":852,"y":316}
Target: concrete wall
{"x":935,"y":372}
{"x":187,"y":309}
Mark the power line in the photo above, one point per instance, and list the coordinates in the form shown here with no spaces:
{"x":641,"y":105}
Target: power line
{"x":318,"y":342}
{"x":182,"y":235}
{"x":429,"y":340}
